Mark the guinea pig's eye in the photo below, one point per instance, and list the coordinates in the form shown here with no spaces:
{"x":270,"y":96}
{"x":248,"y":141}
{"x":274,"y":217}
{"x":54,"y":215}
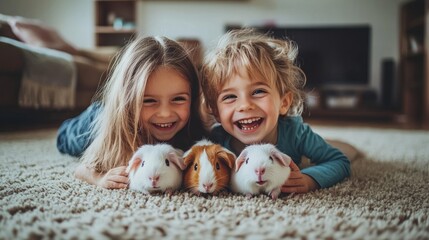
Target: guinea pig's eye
{"x":217,"y":166}
{"x":142,"y":163}
{"x":271,"y":159}
{"x":247,"y":160}
{"x":167,"y":162}
{"x":196,"y":166}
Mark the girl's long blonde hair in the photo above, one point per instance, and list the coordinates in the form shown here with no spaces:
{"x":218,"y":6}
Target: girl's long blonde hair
{"x":117,"y":130}
{"x":262,"y":56}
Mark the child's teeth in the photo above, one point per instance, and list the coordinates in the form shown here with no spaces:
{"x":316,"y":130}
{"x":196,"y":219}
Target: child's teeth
{"x":248,"y":128}
{"x":164,"y":125}
{"x":247,"y":121}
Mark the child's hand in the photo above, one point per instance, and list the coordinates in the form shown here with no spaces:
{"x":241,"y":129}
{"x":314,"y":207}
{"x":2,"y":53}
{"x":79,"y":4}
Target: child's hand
{"x":115,"y":178}
{"x":298,"y":182}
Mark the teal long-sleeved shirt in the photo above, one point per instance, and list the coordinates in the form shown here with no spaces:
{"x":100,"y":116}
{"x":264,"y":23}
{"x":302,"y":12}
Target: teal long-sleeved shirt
{"x":296,"y":139}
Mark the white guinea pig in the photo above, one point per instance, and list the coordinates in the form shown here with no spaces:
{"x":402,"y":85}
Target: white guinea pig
{"x":260,"y":169}
{"x":156,"y":168}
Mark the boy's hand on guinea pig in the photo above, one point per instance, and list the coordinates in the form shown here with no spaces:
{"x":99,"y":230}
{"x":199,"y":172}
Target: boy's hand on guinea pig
{"x":115,"y":178}
{"x":298,"y":182}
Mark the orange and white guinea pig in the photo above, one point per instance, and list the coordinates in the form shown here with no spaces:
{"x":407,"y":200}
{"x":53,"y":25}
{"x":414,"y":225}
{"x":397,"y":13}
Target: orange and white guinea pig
{"x":209,"y":168}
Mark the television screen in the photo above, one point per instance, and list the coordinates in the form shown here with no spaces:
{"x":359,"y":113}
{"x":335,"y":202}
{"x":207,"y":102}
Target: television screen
{"x":330,"y":56}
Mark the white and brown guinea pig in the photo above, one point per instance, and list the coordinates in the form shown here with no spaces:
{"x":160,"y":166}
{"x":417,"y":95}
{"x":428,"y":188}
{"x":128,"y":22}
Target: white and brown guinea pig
{"x":156,"y":168}
{"x":209,"y":167}
{"x":260,"y":168}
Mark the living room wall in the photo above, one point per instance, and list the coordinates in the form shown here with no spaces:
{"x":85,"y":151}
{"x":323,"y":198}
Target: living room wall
{"x":206,"y":20}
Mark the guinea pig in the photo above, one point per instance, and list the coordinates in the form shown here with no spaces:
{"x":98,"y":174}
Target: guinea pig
{"x":260,"y":168}
{"x":156,"y":168}
{"x":209,"y":168}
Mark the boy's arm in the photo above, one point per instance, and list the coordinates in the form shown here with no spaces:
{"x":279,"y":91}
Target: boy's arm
{"x":331,"y":165}
{"x":298,"y":182}
{"x":115,"y":178}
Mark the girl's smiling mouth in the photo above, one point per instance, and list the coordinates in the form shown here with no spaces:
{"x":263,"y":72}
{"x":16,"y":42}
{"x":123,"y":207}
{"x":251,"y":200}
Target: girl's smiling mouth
{"x":249,"y":124}
{"x":164,"y":126}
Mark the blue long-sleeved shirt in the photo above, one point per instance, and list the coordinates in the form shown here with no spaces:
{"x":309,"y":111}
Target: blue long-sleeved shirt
{"x":296,"y":139}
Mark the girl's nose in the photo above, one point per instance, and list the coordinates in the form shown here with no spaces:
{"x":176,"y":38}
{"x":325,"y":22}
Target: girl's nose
{"x":164,"y":110}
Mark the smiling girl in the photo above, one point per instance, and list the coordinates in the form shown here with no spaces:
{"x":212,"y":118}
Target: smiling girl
{"x":151,"y":96}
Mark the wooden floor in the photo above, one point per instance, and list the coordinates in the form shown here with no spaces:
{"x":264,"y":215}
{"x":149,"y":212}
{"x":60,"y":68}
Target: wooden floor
{"x":33,"y":119}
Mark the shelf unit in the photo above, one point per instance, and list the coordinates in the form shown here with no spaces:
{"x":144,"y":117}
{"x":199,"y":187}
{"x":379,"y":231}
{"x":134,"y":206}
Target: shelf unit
{"x":115,"y":22}
{"x":414,"y":41}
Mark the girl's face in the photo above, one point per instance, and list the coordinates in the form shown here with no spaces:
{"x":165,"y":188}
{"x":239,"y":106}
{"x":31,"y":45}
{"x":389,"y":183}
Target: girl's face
{"x":248,"y":109}
{"x":166,"y":104}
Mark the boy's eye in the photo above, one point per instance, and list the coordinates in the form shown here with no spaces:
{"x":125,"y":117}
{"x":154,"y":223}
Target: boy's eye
{"x":228,"y":97}
{"x":259,"y":91}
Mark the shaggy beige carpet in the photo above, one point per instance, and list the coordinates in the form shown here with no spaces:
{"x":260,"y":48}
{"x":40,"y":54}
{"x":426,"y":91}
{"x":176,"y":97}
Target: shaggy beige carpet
{"x":386,"y":198}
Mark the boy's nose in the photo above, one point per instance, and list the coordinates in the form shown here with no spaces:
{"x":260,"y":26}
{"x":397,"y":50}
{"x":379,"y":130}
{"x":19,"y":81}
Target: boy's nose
{"x":245,"y":104}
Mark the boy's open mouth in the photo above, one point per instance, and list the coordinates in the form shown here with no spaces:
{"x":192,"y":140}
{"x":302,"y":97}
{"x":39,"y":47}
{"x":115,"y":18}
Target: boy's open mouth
{"x":164,"y":126}
{"x":249,"y":124}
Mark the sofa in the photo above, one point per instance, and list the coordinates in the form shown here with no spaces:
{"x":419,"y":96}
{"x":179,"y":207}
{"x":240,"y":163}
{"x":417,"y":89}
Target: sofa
{"x":91,"y":69}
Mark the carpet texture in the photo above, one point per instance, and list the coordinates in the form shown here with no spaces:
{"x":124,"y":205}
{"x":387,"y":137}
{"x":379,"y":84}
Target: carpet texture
{"x":387,"y":197}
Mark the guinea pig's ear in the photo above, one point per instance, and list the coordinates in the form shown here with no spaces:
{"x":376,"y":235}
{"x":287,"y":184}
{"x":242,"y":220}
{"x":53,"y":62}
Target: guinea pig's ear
{"x":134,"y":164}
{"x":176,"y":159}
{"x":282,"y":158}
{"x":188,"y":157}
{"x":226,"y":156}
{"x":187,"y":153}
{"x":178,"y":151}
{"x":240,"y":160}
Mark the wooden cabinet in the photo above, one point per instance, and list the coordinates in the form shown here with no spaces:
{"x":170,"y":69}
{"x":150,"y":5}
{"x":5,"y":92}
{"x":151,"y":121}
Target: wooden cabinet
{"x":115,"y":22}
{"x":414,"y":62}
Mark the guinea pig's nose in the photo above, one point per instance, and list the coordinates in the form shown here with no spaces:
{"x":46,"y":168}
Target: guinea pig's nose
{"x":154,"y":178}
{"x":207,"y":186}
{"x":260,"y":171}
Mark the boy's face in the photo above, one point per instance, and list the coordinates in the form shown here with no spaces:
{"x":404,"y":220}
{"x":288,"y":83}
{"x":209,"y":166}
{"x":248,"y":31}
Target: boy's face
{"x":248,"y":109}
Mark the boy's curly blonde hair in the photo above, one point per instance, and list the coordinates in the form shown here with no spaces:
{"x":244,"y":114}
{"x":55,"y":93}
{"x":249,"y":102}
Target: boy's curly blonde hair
{"x":262,"y":56}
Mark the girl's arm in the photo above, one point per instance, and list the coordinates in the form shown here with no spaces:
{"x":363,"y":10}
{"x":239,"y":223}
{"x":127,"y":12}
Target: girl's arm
{"x":115,"y":178}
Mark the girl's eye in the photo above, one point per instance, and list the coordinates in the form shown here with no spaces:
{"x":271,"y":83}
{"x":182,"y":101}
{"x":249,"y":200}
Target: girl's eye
{"x":196,"y":167}
{"x":247,"y":160}
{"x":167,"y":162}
{"x":149,"y":101}
{"x":180,"y":99}
{"x":142,"y":163}
{"x":217,"y":166}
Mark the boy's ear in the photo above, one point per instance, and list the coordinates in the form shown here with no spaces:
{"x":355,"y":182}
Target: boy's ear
{"x":286,"y":102}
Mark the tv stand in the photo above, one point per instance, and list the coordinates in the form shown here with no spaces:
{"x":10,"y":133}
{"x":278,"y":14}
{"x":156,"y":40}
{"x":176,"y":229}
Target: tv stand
{"x":342,"y":97}
{"x":346,"y":103}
